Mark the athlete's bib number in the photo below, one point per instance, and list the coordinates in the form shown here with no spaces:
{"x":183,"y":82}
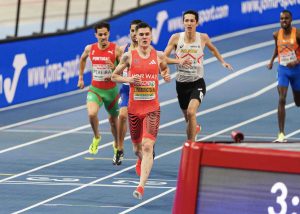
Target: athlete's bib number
{"x":287,"y":57}
{"x":191,"y":72}
{"x":101,"y":72}
{"x":145,"y":91}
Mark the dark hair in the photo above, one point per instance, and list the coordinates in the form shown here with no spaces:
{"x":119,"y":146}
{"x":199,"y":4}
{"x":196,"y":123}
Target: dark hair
{"x":102,"y":25}
{"x":143,"y":25}
{"x":135,"y":22}
{"x":191,"y":12}
{"x":287,"y":11}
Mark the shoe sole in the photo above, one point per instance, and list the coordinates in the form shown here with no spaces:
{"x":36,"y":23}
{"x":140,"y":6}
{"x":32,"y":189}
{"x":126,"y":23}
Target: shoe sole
{"x":137,"y":195}
{"x":279,"y":141}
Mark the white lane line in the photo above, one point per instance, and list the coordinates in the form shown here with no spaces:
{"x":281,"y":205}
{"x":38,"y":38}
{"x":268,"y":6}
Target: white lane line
{"x":292,"y":133}
{"x":157,"y":157}
{"x":224,"y":105}
{"x":249,"y":30}
{"x":35,"y":183}
{"x":84,"y":205}
{"x":43,"y":117}
{"x":49,"y":137}
{"x":44,"y":99}
{"x":148,"y":201}
{"x":225,"y":79}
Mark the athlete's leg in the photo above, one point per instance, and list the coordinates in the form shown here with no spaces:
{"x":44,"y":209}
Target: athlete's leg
{"x":136,"y":133}
{"x":122,"y":127}
{"x":147,"y":163}
{"x":113,"y":120}
{"x":282,"y":92}
{"x":150,"y":126}
{"x":93,"y":108}
{"x":191,"y":119}
{"x":296,"y":97}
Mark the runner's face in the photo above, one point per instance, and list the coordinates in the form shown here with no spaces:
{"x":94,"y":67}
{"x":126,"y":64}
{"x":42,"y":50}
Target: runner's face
{"x":133,"y":33}
{"x":144,"y":37}
{"x":190,"y":23}
{"x":285,"y":20}
{"x":102,"y":35}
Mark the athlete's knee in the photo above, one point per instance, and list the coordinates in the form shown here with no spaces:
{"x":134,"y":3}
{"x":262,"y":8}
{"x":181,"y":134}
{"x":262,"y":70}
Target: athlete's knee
{"x":297,"y":103}
{"x":282,"y":100}
{"x":123,"y":117}
{"x":113,"y":121}
{"x":191,"y":113}
{"x":92,"y":115}
{"x":147,"y":146}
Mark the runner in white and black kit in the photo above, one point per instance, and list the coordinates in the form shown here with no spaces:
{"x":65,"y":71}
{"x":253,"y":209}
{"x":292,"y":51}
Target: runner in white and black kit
{"x":190,"y":85}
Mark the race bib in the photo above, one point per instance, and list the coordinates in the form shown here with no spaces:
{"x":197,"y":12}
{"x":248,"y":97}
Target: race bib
{"x":192,"y":71}
{"x":144,"y":91}
{"x":101,"y":72}
{"x":287,"y":57}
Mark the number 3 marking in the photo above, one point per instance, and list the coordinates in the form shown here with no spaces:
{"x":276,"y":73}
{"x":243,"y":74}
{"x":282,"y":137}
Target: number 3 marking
{"x":281,"y":200}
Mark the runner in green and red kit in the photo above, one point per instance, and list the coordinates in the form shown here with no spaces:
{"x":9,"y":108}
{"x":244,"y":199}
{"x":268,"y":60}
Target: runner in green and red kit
{"x":104,"y":56}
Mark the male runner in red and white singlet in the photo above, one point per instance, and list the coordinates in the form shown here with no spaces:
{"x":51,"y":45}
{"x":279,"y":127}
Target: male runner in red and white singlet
{"x":144,"y":64}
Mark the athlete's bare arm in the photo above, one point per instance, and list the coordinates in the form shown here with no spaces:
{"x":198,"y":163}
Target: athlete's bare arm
{"x":275,"y":52}
{"x":164,"y":69}
{"x":84,"y":56}
{"x":206,"y":40}
{"x":172,"y":45}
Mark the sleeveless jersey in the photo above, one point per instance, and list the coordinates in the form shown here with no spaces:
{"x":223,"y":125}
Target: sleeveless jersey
{"x":100,"y":70}
{"x":143,"y":98}
{"x":288,"y":48}
{"x":192,"y":51}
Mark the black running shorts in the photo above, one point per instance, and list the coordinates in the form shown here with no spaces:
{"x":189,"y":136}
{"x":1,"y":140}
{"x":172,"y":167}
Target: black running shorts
{"x":186,"y":91}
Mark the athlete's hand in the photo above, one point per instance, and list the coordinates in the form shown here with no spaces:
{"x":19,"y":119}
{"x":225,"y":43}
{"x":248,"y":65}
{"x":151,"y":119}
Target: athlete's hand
{"x":80,"y":83}
{"x":136,"y":80}
{"x":270,"y":66}
{"x":227,"y":65}
{"x":186,"y":63}
{"x":167,"y":78}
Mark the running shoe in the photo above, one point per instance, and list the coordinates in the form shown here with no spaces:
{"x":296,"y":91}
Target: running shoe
{"x":280,"y":138}
{"x":93,"y":149}
{"x":138,"y":167}
{"x":138,"y":193}
{"x":115,"y":149}
{"x":118,"y":157}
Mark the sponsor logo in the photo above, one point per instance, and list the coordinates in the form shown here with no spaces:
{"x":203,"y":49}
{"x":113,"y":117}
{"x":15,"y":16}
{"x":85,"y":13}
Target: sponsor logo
{"x":10,"y":86}
{"x":152,"y":62}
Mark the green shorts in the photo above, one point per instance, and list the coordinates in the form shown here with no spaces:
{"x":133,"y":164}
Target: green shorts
{"x":109,"y":97}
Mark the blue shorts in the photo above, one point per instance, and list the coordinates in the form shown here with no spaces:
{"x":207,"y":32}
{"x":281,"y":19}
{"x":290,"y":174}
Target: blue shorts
{"x":124,"y":96}
{"x":289,"y":75}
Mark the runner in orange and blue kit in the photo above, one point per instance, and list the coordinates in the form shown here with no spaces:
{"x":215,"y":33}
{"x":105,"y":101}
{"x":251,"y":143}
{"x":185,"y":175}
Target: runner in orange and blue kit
{"x":144,"y":64}
{"x":104,"y":56}
{"x":287,"y":48}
